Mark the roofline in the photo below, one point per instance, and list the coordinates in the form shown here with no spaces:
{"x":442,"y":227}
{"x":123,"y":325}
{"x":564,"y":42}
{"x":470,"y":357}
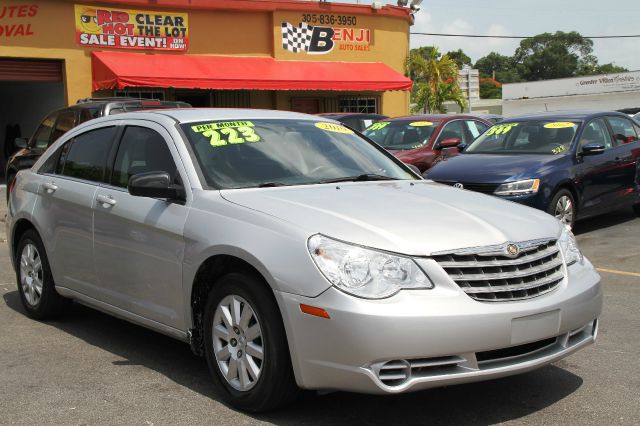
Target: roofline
{"x":265,"y":6}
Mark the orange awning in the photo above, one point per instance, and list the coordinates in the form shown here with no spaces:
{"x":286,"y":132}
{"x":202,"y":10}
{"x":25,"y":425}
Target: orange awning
{"x":117,"y":70}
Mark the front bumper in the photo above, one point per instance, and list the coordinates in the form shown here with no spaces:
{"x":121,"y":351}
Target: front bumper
{"x":428,"y":338}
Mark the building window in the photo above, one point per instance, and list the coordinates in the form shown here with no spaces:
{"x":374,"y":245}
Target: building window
{"x":140,"y":93}
{"x":358,"y":104}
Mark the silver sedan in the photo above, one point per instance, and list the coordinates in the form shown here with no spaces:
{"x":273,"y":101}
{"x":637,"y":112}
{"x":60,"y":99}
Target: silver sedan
{"x":294,"y":254}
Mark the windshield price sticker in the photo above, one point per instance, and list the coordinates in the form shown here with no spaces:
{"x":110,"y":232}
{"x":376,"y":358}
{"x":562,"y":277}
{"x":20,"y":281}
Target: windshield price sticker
{"x":336,"y":128}
{"x":559,"y":149}
{"x":559,"y":125}
{"x":377,"y":126}
{"x":228,"y":132}
{"x":421,"y":124}
{"x":501,"y":129}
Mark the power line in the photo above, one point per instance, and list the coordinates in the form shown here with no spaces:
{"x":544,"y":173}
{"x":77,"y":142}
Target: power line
{"x":513,"y":37}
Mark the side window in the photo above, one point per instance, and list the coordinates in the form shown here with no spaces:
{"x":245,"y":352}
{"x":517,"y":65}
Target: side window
{"x":87,"y":114}
{"x":453,"y":130}
{"x":142,"y":150}
{"x":50,"y":164}
{"x":623,"y":131}
{"x":85,"y":156}
{"x":476,"y":128}
{"x":596,"y":132}
{"x":65,"y":122}
{"x":43,"y":133}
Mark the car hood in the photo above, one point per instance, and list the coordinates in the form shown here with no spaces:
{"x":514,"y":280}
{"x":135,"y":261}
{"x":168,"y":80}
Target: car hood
{"x":494,"y":168}
{"x":410,"y":217}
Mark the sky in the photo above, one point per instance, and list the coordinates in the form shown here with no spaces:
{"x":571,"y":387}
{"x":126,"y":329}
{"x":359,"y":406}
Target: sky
{"x":519,"y":17}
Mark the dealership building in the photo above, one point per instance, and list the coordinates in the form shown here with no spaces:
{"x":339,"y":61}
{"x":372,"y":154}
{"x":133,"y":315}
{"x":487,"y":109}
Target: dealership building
{"x":290,"y":55}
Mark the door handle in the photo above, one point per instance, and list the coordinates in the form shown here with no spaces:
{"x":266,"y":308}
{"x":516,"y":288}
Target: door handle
{"x":50,"y":187}
{"x":106,"y":201}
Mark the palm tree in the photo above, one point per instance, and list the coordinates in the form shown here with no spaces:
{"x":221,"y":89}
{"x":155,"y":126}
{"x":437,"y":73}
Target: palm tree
{"x":435,"y":80}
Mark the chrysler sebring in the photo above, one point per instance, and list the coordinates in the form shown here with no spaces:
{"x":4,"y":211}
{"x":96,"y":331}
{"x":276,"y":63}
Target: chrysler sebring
{"x":294,"y":254}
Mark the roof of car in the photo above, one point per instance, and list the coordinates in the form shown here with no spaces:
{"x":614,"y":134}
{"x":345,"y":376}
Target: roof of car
{"x":187,"y":115}
{"x":567,"y":115}
{"x":434,"y":117}
{"x":348,"y":114}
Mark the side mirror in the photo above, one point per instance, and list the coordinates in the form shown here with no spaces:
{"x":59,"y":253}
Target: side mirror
{"x":592,"y":149}
{"x":20,"y":142}
{"x":155,"y":185}
{"x":449,"y":143}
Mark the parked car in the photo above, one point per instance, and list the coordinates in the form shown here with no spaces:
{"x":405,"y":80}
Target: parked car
{"x":356,"y":120}
{"x":62,"y":120}
{"x":277,"y":244}
{"x":571,"y":165}
{"x":424,"y":140}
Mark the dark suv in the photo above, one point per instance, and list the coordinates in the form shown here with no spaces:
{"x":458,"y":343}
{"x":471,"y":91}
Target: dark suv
{"x":61,"y":121}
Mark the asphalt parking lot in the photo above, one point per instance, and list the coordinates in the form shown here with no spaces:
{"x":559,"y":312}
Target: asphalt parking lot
{"x":89,"y":368}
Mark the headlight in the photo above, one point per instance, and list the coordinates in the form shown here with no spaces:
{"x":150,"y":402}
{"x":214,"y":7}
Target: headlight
{"x":365,"y":272}
{"x":529,"y":186}
{"x":569,"y":247}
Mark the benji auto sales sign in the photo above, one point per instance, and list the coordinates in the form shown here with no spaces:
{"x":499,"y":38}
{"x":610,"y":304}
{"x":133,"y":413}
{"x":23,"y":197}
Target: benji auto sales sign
{"x":131,"y":29}
{"x":318,"y":34}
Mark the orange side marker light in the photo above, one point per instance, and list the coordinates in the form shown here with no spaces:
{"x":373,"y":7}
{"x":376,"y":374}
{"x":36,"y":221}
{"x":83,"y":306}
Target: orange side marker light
{"x":312,"y":310}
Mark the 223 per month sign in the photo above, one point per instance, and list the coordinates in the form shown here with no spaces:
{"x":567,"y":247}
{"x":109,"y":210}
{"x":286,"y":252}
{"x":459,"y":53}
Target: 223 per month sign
{"x":312,"y":18}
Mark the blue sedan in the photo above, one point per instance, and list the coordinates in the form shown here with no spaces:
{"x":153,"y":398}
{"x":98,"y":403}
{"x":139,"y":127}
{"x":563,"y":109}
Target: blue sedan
{"x":571,"y":165}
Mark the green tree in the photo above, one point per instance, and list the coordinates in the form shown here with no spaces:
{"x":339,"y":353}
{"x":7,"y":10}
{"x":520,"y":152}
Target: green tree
{"x":504,"y":68}
{"x":435,"y":79}
{"x":558,"y":55}
{"x":459,"y":57}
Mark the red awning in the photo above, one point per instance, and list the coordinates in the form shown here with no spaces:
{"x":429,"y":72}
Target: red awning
{"x":117,"y":70}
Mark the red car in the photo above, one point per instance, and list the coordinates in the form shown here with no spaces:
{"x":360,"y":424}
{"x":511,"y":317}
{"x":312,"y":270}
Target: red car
{"x":422,"y":140}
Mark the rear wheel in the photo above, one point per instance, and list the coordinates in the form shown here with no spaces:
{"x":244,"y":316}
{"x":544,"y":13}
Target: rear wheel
{"x":35,"y":282}
{"x":563,"y":207}
{"x":245,"y":345}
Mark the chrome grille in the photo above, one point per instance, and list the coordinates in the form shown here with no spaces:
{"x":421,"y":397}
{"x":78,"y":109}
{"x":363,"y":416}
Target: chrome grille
{"x":485,"y":188}
{"x":489,"y":274}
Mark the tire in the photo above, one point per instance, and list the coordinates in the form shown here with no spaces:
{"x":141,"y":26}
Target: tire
{"x":274,"y":384}
{"x":563,"y":207}
{"x":35,"y":282}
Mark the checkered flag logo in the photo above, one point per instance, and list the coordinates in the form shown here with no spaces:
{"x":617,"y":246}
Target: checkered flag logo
{"x":296,"y":39}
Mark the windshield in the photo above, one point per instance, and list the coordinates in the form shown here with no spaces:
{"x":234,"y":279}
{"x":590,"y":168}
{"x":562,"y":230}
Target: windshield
{"x":527,"y":137}
{"x":254,"y":153}
{"x":401,"y":134}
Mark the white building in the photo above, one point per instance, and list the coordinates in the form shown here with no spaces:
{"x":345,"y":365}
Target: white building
{"x":597,"y":92}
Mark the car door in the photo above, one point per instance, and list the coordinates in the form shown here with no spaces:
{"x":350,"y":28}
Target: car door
{"x":599,"y":175}
{"x":138,"y":241}
{"x":454,"y":129}
{"x":68,"y":184}
{"x":626,"y":155}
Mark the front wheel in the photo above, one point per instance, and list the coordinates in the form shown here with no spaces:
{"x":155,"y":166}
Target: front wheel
{"x":563,"y":207}
{"x":246,"y":346}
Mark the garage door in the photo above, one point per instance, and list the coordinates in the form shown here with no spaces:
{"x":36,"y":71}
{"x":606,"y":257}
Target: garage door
{"x":30,"y":70}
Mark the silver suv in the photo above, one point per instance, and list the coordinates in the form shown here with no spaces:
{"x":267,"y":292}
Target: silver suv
{"x":293,"y":253}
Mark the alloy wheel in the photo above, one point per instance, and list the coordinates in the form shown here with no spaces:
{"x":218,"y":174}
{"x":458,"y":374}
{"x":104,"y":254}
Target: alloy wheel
{"x":564,"y":210}
{"x":31,"y":274}
{"x":238,"y":342}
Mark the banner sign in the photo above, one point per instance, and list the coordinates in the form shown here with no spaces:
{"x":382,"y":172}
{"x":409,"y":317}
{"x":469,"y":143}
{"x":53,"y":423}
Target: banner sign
{"x":322,"y":39}
{"x":131,"y":29}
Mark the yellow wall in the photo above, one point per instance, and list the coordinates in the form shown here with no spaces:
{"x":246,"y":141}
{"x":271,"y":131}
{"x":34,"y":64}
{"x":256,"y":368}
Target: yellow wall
{"x":210,"y":32}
